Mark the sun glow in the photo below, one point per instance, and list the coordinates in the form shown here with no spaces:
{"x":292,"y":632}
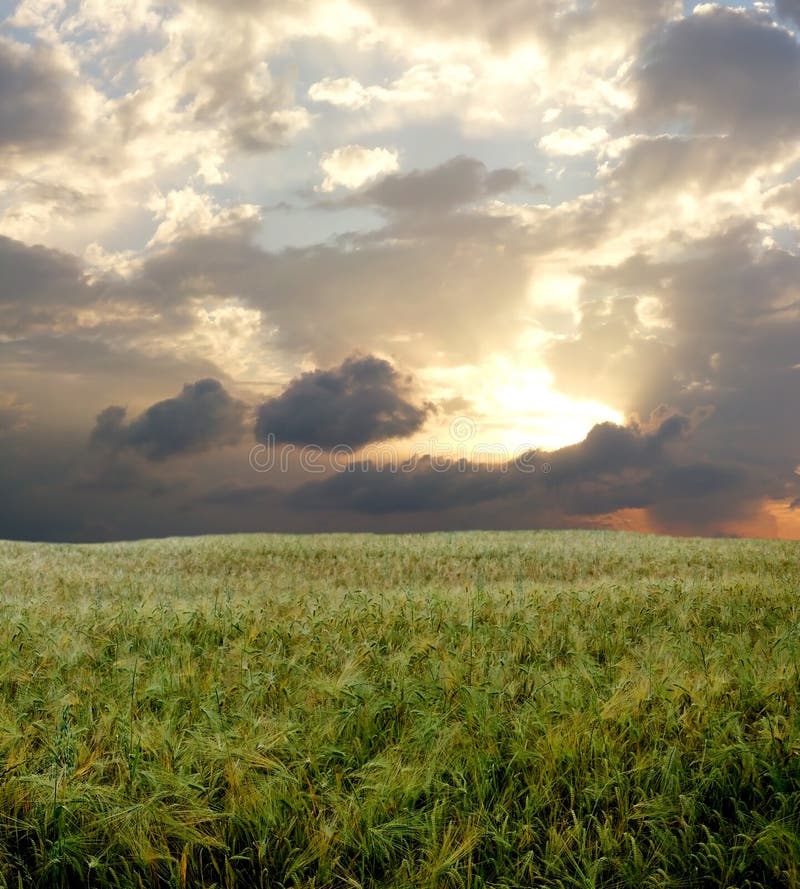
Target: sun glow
{"x":513,"y":408}
{"x":528,"y":412}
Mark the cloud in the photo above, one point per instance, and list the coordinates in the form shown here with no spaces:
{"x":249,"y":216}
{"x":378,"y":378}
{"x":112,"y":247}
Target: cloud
{"x":495,"y":20}
{"x":415,"y":287}
{"x":647,"y":467}
{"x":38,"y":107}
{"x":789,"y":10}
{"x":378,"y":492}
{"x":101,"y":332}
{"x":35,"y":282}
{"x":580,"y":140}
{"x":363,"y":400}
{"x":100,"y":113}
{"x":96,"y":334}
{"x":184,"y":212}
{"x":716,"y":99}
{"x":173,"y":308}
{"x":354,"y":165}
{"x":212,"y":82}
{"x":459,"y":181}
{"x":435,"y":290}
{"x":241,"y":98}
{"x":490,"y":66}
{"x":202,"y":417}
{"x":614,"y":468}
{"x":658,"y":268}
{"x":653,"y":167}
{"x":786,"y":198}
{"x":721,"y":71}
{"x":503,"y":23}
{"x":730,"y":321}
{"x":344,"y":92}
{"x":499,"y":23}
{"x":491,"y":19}
{"x":14,"y":416}
{"x":36,"y":206}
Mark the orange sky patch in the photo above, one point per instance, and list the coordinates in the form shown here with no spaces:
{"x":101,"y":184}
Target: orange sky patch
{"x":774,"y":520}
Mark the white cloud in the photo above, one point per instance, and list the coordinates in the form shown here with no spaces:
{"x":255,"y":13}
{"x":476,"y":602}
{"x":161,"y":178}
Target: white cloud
{"x":344,"y":92}
{"x":571,"y":142}
{"x":185,"y":212}
{"x":354,"y":165}
{"x":37,"y":13}
{"x":100,"y":263}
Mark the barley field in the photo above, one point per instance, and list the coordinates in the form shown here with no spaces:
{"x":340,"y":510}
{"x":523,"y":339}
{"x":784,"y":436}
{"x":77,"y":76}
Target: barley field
{"x":548,"y":709}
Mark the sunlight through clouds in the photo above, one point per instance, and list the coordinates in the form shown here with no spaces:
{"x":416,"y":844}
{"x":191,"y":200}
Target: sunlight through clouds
{"x":574,"y":224}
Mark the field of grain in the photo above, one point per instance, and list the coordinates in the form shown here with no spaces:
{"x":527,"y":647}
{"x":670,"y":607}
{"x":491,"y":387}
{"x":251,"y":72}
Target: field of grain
{"x":569,"y":709}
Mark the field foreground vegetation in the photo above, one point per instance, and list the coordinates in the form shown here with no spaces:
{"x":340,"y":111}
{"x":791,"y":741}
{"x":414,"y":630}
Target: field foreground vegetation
{"x":472,"y":710}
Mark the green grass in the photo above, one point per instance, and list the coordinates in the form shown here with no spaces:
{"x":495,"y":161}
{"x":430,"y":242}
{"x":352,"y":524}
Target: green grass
{"x":532,"y":709}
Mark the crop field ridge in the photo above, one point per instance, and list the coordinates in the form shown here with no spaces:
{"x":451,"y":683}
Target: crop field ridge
{"x":475,"y":710}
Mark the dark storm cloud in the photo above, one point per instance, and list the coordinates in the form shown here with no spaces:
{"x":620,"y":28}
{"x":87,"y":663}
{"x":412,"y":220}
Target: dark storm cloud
{"x":202,"y":417}
{"x":789,"y":10}
{"x":652,"y":467}
{"x":609,"y":448}
{"x":370,"y":490}
{"x":730,"y":325}
{"x":721,"y":70}
{"x":718,"y":95}
{"x":362,"y":401}
{"x":51,"y":488}
{"x":37,"y":105}
{"x":614,"y":468}
{"x":655,"y":467}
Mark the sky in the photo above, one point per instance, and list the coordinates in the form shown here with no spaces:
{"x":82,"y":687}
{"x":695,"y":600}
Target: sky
{"x":399,"y":265}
